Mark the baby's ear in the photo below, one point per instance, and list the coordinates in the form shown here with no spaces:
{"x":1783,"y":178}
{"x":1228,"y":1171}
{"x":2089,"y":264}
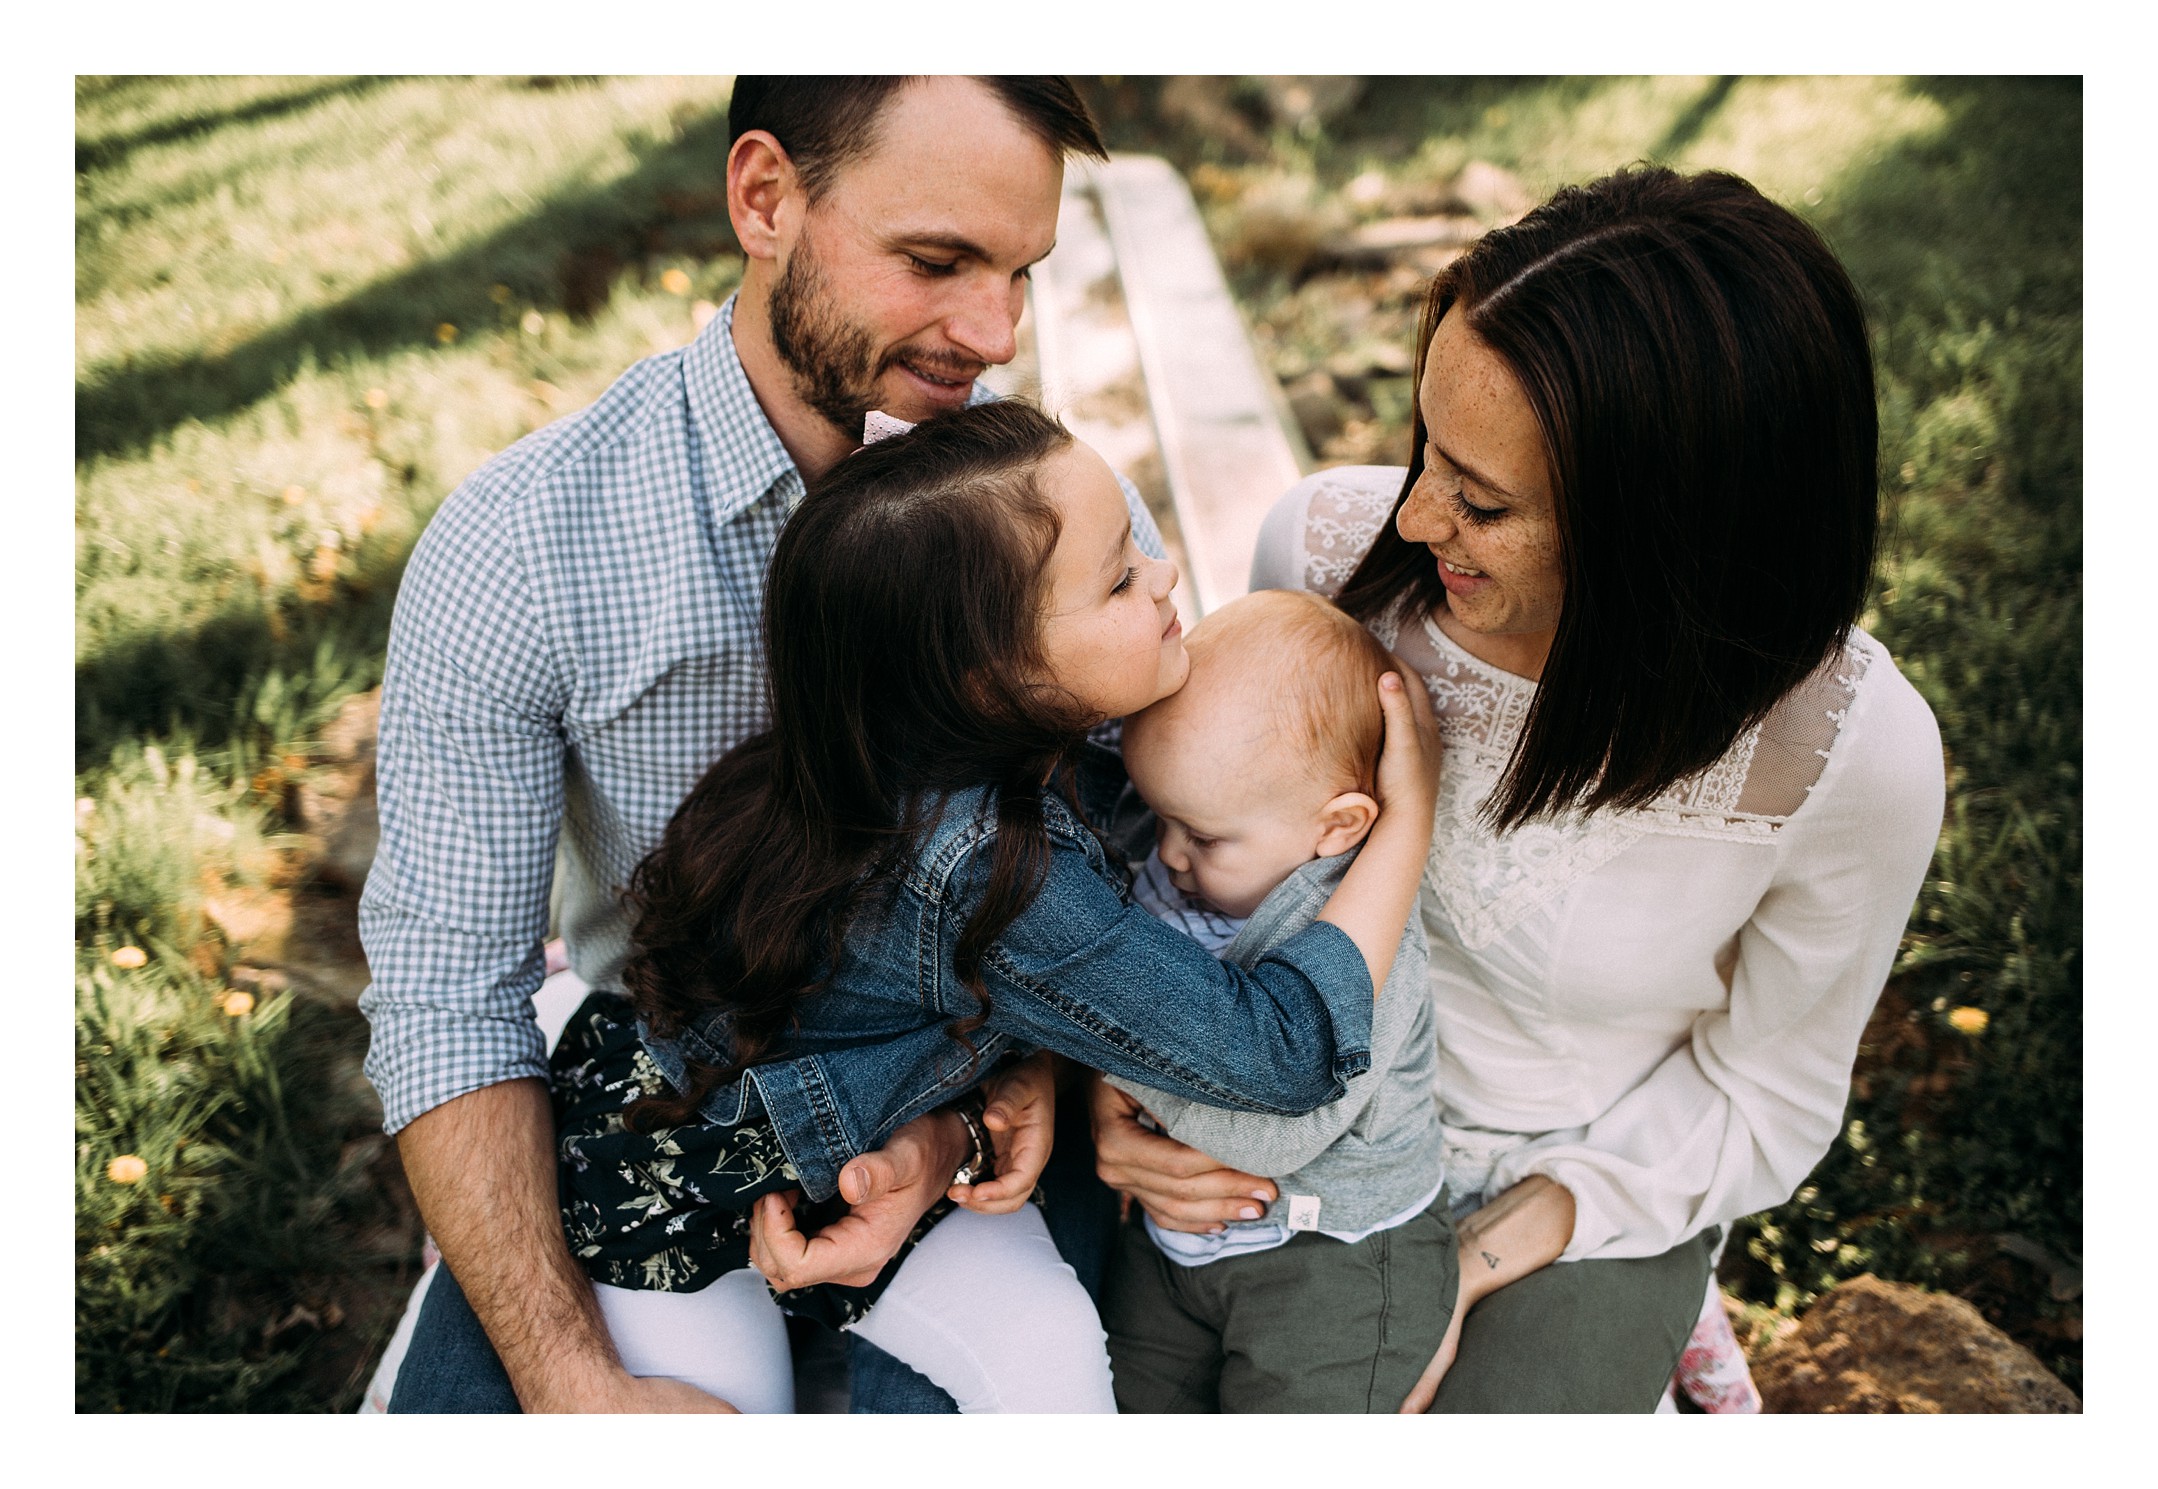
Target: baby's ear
{"x":1344,"y":821}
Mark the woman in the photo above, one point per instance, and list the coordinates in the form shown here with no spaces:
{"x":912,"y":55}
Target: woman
{"x":1685,"y":805}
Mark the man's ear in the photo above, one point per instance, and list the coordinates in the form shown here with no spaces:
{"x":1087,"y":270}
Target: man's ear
{"x":763,"y":193}
{"x":1344,"y":821}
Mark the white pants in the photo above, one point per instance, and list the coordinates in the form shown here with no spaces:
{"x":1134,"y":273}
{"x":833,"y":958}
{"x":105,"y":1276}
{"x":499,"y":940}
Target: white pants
{"x":984,"y":1307}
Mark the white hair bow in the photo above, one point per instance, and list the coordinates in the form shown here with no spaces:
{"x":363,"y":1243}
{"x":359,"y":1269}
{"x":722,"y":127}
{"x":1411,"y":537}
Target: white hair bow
{"x":876,"y":426}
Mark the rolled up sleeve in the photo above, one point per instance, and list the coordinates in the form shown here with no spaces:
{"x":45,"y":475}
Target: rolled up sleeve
{"x":470,"y":771}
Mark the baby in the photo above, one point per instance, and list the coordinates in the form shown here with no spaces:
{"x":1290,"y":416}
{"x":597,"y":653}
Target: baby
{"x":1260,"y":774}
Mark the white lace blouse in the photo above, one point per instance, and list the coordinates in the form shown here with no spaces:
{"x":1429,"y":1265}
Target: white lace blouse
{"x":1658,"y":1008}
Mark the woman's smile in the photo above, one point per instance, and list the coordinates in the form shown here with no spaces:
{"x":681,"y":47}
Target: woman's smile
{"x":1482,"y":505}
{"x":1459,"y":579}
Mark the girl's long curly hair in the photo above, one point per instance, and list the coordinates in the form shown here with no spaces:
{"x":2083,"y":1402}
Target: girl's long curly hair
{"x":902,"y":637}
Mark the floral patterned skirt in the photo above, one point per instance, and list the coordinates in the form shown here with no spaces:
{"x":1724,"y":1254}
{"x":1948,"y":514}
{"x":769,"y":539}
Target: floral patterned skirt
{"x":668,"y":1210}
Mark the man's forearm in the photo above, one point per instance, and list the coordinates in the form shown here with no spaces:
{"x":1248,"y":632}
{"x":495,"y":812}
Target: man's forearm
{"x":482,"y":1167}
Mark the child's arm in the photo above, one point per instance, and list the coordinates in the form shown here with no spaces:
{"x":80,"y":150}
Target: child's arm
{"x":1274,"y":1146}
{"x":1376,"y":896}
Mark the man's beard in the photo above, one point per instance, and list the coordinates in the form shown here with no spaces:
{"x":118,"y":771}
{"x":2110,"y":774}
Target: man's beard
{"x":832,"y":361}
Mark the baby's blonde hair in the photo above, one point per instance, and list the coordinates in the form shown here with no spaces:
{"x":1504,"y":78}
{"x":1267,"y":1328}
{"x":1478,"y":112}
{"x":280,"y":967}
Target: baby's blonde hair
{"x":1319,"y":669}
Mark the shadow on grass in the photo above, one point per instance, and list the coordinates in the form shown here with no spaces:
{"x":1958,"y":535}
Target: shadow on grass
{"x":108,"y":151}
{"x":563,"y":256}
{"x":210,"y":681}
{"x":237,"y":678}
{"x":1412,"y":109}
{"x":1687,"y":127}
{"x":1391,"y":113}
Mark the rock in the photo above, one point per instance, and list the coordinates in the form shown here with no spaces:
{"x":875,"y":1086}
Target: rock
{"x":337,"y":804}
{"x":1317,"y":406}
{"x":1202,"y":106}
{"x":1885,"y":1347}
{"x":1280,"y":224}
{"x":1489,"y":192}
{"x":1380,"y":242}
{"x":348,"y":848}
{"x":1305,"y":102}
{"x":254,"y":920}
{"x":261,"y":981}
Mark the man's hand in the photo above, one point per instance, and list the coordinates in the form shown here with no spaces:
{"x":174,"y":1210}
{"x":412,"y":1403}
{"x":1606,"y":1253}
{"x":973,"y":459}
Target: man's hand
{"x":888,"y":1191}
{"x":1022,"y":1119}
{"x":654,"y":1393}
{"x":1180,"y":1187}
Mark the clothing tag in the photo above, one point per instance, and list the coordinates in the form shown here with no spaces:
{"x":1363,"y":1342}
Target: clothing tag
{"x":876,"y":425}
{"x":1303,"y":1212}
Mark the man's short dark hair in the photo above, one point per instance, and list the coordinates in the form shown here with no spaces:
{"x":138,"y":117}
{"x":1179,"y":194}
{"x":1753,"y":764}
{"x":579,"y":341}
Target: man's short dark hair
{"x":825,"y":122}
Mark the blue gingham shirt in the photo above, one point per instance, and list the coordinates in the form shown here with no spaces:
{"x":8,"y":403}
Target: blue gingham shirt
{"x":577,"y":638}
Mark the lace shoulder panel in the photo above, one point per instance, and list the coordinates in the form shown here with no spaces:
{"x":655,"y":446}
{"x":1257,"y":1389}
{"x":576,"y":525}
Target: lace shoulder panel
{"x":1792,"y":746}
{"x":1343,"y":510}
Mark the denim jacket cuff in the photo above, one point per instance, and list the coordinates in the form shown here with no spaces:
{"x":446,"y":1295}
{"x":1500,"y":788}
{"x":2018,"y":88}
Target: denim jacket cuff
{"x":803,"y":1115}
{"x":1325,"y":956}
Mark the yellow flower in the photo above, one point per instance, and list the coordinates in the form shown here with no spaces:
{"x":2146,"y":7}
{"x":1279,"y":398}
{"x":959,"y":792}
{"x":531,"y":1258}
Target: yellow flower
{"x":237,"y":1003}
{"x":500,"y":294}
{"x":445,"y":333}
{"x":376,"y":398}
{"x":674,"y":282}
{"x":129,"y":957}
{"x":1970,"y":1021}
{"x":126,"y":1169}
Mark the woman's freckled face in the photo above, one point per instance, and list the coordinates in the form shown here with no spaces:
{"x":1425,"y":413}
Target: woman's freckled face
{"x":1483,"y":504}
{"x":1111,"y":635}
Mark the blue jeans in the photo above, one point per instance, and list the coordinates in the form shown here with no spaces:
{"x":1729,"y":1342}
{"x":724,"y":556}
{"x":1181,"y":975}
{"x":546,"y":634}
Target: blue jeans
{"x":451,"y":1366}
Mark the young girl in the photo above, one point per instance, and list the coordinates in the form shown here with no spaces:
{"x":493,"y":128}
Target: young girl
{"x":861,"y":914}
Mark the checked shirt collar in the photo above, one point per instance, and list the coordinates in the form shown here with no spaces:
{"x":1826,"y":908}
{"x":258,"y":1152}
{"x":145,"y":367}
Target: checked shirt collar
{"x":744,"y":459}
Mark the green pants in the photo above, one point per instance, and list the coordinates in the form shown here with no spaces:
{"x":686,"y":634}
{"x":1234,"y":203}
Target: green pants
{"x":1318,"y":1325}
{"x":1592,"y":1336}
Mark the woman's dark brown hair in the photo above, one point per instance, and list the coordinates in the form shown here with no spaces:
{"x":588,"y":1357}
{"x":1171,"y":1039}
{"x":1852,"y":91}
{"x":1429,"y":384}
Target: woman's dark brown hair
{"x":902,"y":616}
{"x":1697,"y":359}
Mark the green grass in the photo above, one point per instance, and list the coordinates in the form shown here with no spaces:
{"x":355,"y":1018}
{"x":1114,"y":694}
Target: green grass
{"x":1957,"y":204}
{"x":306,"y":308}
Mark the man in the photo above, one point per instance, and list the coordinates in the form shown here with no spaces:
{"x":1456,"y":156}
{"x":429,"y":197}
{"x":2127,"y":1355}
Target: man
{"x":577,"y":639}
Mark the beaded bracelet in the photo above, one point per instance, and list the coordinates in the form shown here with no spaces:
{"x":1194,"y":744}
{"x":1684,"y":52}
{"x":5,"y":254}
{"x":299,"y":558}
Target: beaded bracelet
{"x":981,"y":1162}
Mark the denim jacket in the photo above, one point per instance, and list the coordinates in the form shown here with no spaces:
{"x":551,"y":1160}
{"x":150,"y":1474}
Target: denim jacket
{"x":1082,"y":971}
